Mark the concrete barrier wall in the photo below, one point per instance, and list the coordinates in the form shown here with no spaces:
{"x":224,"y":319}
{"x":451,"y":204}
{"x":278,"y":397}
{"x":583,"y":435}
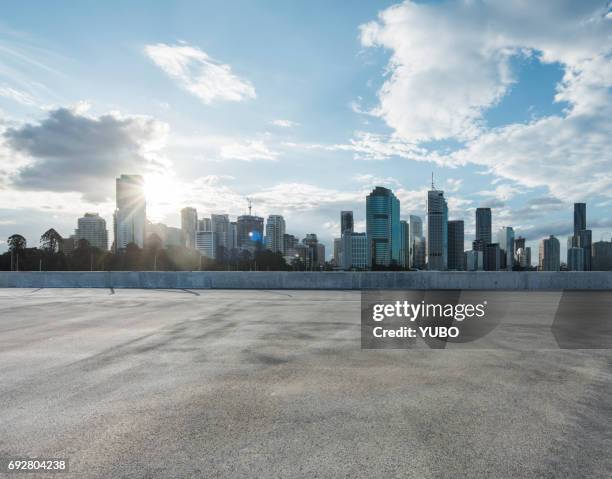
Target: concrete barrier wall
{"x":308,"y":280}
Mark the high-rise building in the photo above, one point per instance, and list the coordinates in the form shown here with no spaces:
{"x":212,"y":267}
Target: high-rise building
{"x":92,"y":227}
{"x":250,"y":232}
{"x":338,"y":251}
{"x":519,"y":243}
{"x":437,"y":230}
{"x":550,"y":254}
{"x":312,"y":243}
{"x":206,"y":243}
{"x":131,"y":213}
{"x":275,"y":232}
{"x":404,"y":260}
{"x":346,"y":221}
{"x":189,"y":225}
{"x":575,"y":259}
{"x":505,"y":238}
{"x":204,"y":224}
{"x":220,"y":224}
{"x":473,"y":260}
{"x":523,"y":257}
{"x":579,"y":219}
{"x":383,"y":227}
{"x":456,"y":241}
{"x":420,"y":251}
{"x":483,"y":225}
{"x":492,"y":257}
{"x":320,"y":255}
{"x":585,"y":242}
{"x":602,"y":256}
{"x":415,"y":230}
{"x":354,"y":251}
{"x":232,"y":240}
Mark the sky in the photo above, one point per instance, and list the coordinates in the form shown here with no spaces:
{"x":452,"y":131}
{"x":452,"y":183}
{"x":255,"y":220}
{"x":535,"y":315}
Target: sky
{"x":304,"y":107}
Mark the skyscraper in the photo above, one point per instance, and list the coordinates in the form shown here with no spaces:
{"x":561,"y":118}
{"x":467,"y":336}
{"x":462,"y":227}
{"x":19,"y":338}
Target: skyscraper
{"x":204,"y":224}
{"x":311,"y":242}
{"x":415,"y":230}
{"x":585,"y":242}
{"x":505,"y":238}
{"x":579,"y":219}
{"x":437,"y":230}
{"x":492,"y":257}
{"x":550,"y":255}
{"x":275,"y":231}
{"x":250,"y":231}
{"x":206,"y":243}
{"x":220,"y":224}
{"x":602,"y":256}
{"x":131,"y":213}
{"x":354,"y":251}
{"x":92,"y":227}
{"x":189,"y":225}
{"x":483,"y":225}
{"x":346,"y":221}
{"x":575,"y":259}
{"x":404,"y":260}
{"x":456,"y":245}
{"x":383,"y":227}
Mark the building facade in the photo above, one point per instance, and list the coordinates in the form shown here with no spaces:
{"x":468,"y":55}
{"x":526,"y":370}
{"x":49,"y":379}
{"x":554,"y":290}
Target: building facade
{"x":505,"y":238}
{"x":355,"y":251}
{"x":483,"y":226}
{"x":92,"y":227}
{"x":383,"y":227}
{"x":415,"y":231}
{"x":131,"y":212}
{"x":206,"y":244}
{"x":275,"y":232}
{"x":456,"y":241}
{"x":189,"y":225}
{"x":550,"y":254}
{"x":437,"y":231}
{"x":250,"y":232}
{"x":404,"y":260}
{"x":346,"y":222}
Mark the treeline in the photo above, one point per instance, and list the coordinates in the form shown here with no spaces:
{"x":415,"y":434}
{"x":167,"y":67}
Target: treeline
{"x":152,"y":258}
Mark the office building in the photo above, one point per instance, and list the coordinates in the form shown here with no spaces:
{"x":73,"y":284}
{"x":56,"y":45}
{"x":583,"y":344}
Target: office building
{"x":206,"y":243}
{"x":220,"y":224}
{"x":575,"y":259}
{"x":456,"y":243}
{"x":473,"y":260}
{"x":483,"y":226}
{"x":354,"y":251}
{"x":131,"y":213}
{"x":523,"y":257}
{"x":602,"y":256}
{"x":320,"y":255}
{"x":92,"y":227}
{"x":420,"y":251}
{"x":415,"y":230}
{"x":189,"y":225}
{"x":492,"y":257}
{"x":505,"y":238}
{"x":311,"y":242}
{"x":437,"y":230}
{"x":383,"y":227}
{"x":579,"y":220}
{"x":346,"y":222}
{"x":275,"y":232}
{"x":337,"y":251}
{"x":232,"y":240}
{"x":404,"y":260}
{"x":585,"y":242}
{"x":204,"y":224}
{"x":250,"y":232}
{"x":550,"y":255}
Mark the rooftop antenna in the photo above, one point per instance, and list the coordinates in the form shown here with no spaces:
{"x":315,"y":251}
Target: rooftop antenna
{"x":432,"y":182}
{"x":250,"y":205}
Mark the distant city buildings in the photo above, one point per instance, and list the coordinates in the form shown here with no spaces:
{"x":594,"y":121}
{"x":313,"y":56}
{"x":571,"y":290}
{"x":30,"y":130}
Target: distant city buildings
{"x":275,"y":232}
{"x":550,"y":254}
{"x":189,"y":225}
{"x":92,"y":227}
{"x":250,"y":232}
{"x":383,"y":227}
{"x":131,"y":213}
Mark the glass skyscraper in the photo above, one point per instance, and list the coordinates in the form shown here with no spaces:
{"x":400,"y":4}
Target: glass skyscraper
{"x":383,"y":227}
{"x":437,"y":231}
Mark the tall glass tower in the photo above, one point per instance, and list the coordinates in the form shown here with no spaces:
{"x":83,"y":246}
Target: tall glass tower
{"x":383,"y":227}
{"x":437,"y":230}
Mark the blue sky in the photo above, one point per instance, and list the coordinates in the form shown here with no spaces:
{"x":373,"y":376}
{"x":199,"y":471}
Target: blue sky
{"x":304,"y":107}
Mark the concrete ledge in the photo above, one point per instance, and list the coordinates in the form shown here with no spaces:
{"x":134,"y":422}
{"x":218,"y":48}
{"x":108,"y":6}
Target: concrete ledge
{"x":595,"y":280}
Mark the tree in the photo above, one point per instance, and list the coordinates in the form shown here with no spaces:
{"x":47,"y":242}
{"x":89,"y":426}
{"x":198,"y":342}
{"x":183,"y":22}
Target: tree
{"x":16,"y":244}
{"x":51,"y":241}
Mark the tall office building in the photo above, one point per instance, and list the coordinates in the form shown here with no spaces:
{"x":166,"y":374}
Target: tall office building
{"x":492,"y":257}
{"x":220,"y":224}
{"x":437,"y":230}
{"x":585,"y":242}
{"x":420,"y":251}
{"x":312,"y":243}
{"x":415,"y":230}
{"x":131,"y":213}
{"x":575,"y":259}
{"x":206,"y":243}
{"x":505,"y":238}
{"x":320,"y":255}
{"x":602,"y":256}
{"x":579,"y":219}
{"x":550,"y":255}
{"x":92,"y":227}
{"x":204,"y":224}
{"x":249,"y":232}
{"x":456,"y":242}
{"x":483,"y":225}
{"x":519,"y":243}
{"x":275,"y":232}
{"x":383,"y":227}
{"x":337,"y":252}
{"x":189,"y":225}
{"x":346,"y":221}
{"x":473,"y":260}
{"x":232,"y":240}
{"x":404,"y":260}
{"x":354,"y":251}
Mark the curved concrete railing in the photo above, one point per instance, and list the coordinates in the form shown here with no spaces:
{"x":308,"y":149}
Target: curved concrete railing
{"x":308,"y":280}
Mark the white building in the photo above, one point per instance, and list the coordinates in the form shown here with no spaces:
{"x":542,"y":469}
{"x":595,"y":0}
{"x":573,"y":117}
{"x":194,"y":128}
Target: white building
{"x":275,"y":232}
{"x":354,"y":251}
{"x":92,"y":227}
{"x":206,"y":243}
{"x":189,"y":225}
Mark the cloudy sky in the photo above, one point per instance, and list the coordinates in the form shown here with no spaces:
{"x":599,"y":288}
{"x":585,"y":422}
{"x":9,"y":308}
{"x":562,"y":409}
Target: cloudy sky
{"x":304,"y":107}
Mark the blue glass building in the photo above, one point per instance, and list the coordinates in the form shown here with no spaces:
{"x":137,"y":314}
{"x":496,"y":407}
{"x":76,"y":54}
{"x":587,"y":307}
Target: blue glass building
{"x":383,"y":227}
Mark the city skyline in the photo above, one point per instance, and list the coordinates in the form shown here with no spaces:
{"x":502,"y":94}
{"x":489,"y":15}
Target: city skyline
{"x":319,"y":106}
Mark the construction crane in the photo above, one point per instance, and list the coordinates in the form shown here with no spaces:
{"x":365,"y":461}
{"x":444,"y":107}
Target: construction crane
{"x":250,"y":202}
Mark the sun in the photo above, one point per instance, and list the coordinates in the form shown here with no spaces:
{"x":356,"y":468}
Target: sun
{"x":163,"y":196}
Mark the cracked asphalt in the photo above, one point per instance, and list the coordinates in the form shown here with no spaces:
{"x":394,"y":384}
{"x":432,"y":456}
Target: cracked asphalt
{"x":211,"y":383}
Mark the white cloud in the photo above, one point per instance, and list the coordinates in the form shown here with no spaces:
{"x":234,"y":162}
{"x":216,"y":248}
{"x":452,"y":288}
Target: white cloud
{"x":285,"y":123}
{"x":372,"y":180}
{"x":502,"y":192}
{"x":450,"y":62}
{"x":17,"y":95}
{"x":199,"y":74}
{"x":249,"y":151}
